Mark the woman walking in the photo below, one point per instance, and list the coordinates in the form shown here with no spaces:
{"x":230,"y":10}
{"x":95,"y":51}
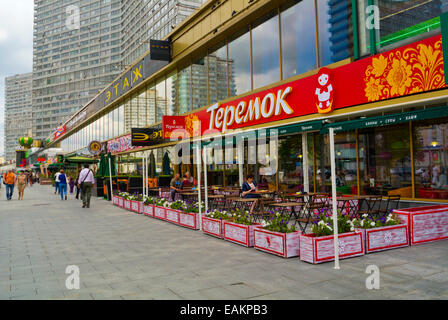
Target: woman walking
{"x":62,"y":184}
{"x":71,"y":183}
{"x":21,"y":181}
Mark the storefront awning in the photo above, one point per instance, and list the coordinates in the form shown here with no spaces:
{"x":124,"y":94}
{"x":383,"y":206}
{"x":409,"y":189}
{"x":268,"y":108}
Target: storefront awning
{"x":386,"y":120}
{"x":262,"y":133}
{"x":79,"y":159}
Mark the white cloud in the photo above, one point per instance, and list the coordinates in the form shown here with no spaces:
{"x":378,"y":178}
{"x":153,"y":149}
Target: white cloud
{"x":3,"y":35}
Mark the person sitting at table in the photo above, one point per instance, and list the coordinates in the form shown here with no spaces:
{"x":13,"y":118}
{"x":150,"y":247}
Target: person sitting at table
{"x":188,"y":181}
{"x":175,"y":186}
{"x":248,"y":189}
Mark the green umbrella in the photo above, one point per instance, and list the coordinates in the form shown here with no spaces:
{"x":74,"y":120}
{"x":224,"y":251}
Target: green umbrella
{"x":166,"y":164}
{"x":152,"y":165}
{"x":102,"y":169}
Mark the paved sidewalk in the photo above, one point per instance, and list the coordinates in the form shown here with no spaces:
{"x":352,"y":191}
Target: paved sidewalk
{"x":123,"y":255}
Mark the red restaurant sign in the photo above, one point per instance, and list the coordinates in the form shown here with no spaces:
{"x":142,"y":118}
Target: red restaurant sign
{"x":172,"y":123}
{"x":414,"y":68}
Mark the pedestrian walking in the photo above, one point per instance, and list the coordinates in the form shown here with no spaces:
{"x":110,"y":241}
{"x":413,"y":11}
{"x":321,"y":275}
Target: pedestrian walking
{"x":78,"y":188}
{"x":71,"y":183}
{"x":85,"y":182}
{"x":21,"y":181}
{"x":56,"y":182}
{"x":9,"y":180}
{"x":62,"y":184}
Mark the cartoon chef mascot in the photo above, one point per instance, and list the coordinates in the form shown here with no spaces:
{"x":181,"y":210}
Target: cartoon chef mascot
{"x":324,"y":91}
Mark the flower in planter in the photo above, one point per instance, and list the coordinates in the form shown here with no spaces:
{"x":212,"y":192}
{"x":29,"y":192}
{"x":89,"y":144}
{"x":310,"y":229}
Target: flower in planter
{"x":216,"y":214}
{"x":367,"y":222}
{"x":242,"y":216}
{"x":149,"y":200}
{"x":277,"y":223}
{"x":176,"y":205}
{"x":324,"y":224}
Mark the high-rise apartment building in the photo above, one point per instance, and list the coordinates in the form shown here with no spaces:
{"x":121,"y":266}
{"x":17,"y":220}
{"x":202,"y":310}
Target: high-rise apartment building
{"x":18,"y":111}
{"x":150,"y":19}
{"x":72,"y":63}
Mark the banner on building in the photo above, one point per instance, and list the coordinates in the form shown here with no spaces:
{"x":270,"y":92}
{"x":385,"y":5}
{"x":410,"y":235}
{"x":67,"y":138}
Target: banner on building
{"x":171,"y":124}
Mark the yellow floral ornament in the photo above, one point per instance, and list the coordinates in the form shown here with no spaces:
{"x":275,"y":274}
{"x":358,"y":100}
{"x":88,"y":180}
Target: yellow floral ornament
{"x":407,"y":71}
{"x":399,"y":77}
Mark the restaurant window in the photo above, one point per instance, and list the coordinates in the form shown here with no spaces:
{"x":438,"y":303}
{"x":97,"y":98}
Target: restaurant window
{"x":345,"y":163}
{"x":106,"y":126}
{"x":116,"y":122}
{"x":160,"y":100}
{"x":398,"y":21}
{"x":127,"y":115}
{"x":385,"y":161}
{"x":430,"y":141}
{"x":151,"y":104}
{"x":142,"y":110}
{"x":217,"y":74}
{"x":266,"y":61}
{"x":290,"y":167}
{"x":239,"y":64}
{"x":199,"y":83}
{"x":121,"y":120}
{"x":111,"y":124}
{"x":298,"y":27}
{"x":135,"y":122}
{"x":171,"y":94}
{"x":184,"y":90}
{"x":334,"y":31}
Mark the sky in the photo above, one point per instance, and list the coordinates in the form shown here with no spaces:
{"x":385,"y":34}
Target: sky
{"x":16,"y":46}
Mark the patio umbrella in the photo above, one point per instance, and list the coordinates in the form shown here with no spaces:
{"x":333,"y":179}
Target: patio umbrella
{"x":152,"y":165}
{"x":102,"y":169}
{"x":166,"y":164}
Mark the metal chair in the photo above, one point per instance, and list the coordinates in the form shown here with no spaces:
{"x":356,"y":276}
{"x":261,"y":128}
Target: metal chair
{"x":390,"y":200}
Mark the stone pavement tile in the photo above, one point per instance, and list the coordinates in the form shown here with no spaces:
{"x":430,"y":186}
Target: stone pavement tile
{"x":77,"y":296}
{"x":244,"y":291}
{"x":189,"y":284}
{"x":154,"y":293}
{"x":414,"y":269}
{"x":440,"y":277}
{"x":132,"y":286}
{"x":281,"y":295}
{"x":218,"y":293}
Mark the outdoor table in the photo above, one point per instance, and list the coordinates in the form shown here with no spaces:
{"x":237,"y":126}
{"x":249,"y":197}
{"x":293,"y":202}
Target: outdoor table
{"x":284,"y":206}
{"x":350,"y":204}
{"x":216,"y":199}
{"x":259,"y":204}
{"x":264,"y":193}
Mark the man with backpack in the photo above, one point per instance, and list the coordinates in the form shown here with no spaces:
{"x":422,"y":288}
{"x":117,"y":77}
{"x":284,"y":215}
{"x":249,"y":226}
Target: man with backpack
{"x":86,"y":181}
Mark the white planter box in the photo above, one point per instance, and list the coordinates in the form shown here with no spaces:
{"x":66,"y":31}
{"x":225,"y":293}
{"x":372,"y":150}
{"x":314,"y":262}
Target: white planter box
{"x":285,"y":245}
{"x":135,"y":206}
{"x":385,"y":238}
{"x":148,"y":210}
{"x":240,"y":233}
{"x":213,"y":227}
{"x":425,"y":224}
{"x":172,"y":215}
{"x":189,"y":220}
{"x":127,"y":204}
{"x":120,"y":202}
{"x":321,"y":249}
{"x":159,"y":212}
